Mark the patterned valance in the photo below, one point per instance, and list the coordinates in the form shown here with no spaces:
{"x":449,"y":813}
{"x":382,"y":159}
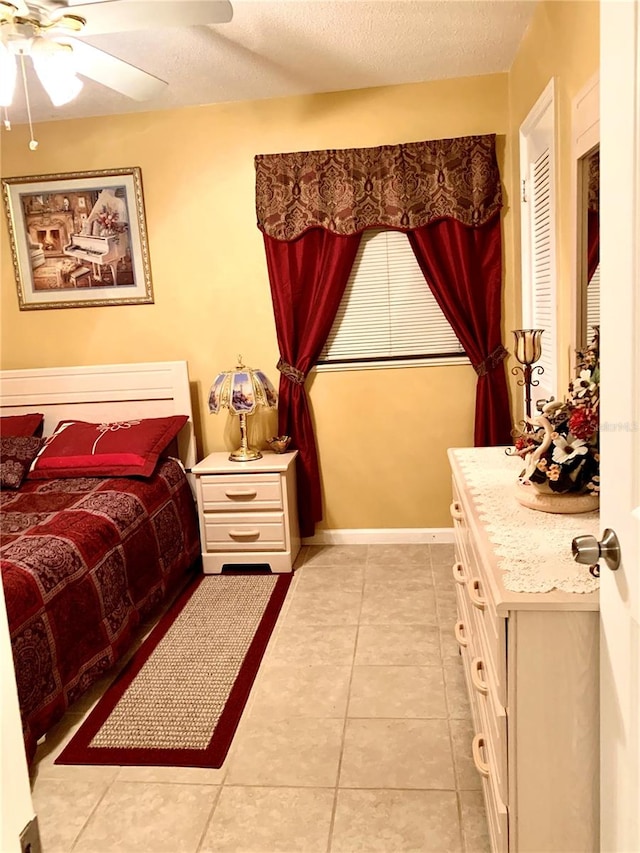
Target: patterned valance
{"x":394,"y":186}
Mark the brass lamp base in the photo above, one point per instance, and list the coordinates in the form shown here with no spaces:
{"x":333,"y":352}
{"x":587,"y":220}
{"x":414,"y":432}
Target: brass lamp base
{"x":244,"y":454}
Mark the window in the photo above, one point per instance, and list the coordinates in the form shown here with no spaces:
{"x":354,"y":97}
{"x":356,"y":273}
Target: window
{"x":537,"y":172}
{"x":388,"y":316}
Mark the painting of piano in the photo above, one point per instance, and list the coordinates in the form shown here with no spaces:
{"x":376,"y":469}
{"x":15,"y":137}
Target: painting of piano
{"x":91,"y":235}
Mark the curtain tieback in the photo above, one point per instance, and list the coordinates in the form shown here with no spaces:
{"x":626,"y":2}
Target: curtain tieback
{"x":491,"y":361}
{"x":292,"y":373}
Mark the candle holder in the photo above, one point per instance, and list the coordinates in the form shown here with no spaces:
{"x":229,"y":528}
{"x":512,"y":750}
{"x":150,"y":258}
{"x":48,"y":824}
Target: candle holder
{"x":528,"y":350}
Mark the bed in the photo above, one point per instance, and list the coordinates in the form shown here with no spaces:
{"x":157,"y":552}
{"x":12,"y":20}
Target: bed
{"x":86,"y":559}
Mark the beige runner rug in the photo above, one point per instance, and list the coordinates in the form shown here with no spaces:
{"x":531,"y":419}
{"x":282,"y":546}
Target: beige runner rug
{"x":179,"y":700}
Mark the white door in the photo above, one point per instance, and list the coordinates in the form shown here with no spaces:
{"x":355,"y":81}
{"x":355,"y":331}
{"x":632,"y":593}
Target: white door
{"x":15,"y":793}
{"x":620,"y":420}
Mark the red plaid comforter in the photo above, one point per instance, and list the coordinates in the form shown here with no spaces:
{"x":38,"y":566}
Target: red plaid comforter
{"x":83,"y":562}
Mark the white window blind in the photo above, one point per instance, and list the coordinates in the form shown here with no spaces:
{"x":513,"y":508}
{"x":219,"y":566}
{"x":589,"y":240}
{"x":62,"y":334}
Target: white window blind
{"x":593,"y":302}
{"x":388,"y":312}
{"x":537,"y":158}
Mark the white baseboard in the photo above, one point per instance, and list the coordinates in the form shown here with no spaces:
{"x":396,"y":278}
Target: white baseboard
{"x":382,"y":536}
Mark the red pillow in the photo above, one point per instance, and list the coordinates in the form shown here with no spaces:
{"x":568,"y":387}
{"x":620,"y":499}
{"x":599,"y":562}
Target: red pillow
{"x":17,"y":452}
{"x":120,"y":449}
{"x":21,"y":424}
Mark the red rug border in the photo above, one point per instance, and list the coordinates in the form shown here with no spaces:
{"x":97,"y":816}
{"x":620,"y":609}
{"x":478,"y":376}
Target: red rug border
{"x":79,"y":751}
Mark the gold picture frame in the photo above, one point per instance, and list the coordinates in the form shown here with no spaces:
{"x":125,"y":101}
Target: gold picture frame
{"x":79,"y":239}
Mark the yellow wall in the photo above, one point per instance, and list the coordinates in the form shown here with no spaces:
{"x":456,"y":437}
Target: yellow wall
{"x":562,"y":41}
{"x":382,"y":435}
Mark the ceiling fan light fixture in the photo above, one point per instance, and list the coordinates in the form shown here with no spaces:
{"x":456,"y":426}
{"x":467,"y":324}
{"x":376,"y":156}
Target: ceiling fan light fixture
{"x":8,"y":72}
{"x":63,"y":89}
{"x":55,"y":68}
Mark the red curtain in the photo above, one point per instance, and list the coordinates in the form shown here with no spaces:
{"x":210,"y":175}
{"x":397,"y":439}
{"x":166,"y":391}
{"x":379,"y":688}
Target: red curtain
{"x":312,"y":207}
{"x":593,"y":242}
{"x":307,"y":277}
{"x":463,"y":267}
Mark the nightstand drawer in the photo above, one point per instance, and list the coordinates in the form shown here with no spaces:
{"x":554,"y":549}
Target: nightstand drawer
{"x":232,"y":492}
{"x":260,"y":531}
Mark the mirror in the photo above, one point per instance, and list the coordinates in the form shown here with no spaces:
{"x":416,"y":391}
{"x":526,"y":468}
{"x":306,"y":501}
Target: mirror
{"x":589,"y":244}
{"x":586,"y":189}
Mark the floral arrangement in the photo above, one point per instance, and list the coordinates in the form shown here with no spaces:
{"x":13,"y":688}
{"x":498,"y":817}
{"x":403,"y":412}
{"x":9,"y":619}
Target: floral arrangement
{"x":109,"y":220}
{"x":562,"y":449}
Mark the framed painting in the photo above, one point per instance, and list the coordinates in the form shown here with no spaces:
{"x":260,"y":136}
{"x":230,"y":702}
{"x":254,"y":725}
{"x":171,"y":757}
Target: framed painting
{"x":79,"y":239}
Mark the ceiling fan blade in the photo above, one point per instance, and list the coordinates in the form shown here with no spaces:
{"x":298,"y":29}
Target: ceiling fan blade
{"x":114,"y":73}
{"x":123,"y":15}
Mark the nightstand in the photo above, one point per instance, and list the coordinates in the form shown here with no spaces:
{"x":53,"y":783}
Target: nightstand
{"x":248,"y":511}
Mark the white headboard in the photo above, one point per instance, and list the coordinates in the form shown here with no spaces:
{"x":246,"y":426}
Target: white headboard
{"x":103,"y":392}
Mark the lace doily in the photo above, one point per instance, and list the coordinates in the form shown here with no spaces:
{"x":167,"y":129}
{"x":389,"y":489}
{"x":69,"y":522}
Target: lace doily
{"x":533,"y":548}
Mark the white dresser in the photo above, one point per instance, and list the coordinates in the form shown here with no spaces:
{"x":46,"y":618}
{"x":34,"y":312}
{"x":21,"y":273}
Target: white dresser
{"x":248,"y":511}
{"x":531,"y":659}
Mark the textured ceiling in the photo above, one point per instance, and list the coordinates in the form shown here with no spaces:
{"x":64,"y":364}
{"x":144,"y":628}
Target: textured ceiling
{"x":293,"y":47}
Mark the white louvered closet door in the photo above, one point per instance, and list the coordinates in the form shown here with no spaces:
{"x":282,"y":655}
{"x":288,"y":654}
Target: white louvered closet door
{"x":543,"y":303}
{"x":537,"y":158}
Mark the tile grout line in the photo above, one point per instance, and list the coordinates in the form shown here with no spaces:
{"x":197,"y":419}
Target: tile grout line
{"x":462,"y":835}
{"x":207,"y":822}
{"x":451,"y":744}
{"x":92,"y":812}
{"x":334,"y":808}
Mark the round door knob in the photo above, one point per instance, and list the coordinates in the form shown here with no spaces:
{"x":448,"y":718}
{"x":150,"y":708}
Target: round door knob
{"x":586,"y":549}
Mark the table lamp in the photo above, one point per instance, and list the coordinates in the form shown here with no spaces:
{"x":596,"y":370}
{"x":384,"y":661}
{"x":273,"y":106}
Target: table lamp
{"x":242,"y":390}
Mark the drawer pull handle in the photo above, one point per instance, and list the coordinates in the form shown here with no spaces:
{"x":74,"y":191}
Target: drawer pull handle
{"x":460,"y":637}
{"x":477,"y":746}
{"x":458,"y":573}
{"x":244,"y":534}
{"x":474,"y":594}
{"x":242,"y":493}
{"x":479,"y":683}
{"x":456,"y":511}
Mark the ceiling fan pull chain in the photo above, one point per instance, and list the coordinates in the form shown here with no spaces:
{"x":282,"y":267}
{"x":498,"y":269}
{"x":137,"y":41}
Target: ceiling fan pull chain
{"x":33,"y":144}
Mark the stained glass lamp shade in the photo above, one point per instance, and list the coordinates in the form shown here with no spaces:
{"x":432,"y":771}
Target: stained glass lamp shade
{"x":241,"y":391}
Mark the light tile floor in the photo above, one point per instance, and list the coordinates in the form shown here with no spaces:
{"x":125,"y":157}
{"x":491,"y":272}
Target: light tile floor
{"x":356,"y":737}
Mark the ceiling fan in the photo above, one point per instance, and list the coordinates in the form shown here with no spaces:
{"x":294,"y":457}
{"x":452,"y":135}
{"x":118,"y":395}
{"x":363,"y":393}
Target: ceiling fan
{"x":49,"y":32}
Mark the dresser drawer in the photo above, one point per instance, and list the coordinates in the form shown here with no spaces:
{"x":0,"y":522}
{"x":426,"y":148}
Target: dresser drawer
{"x":489,"y":717}
{"x":231,"y":492}
{"x":460,"y":527}
{"x":464,"y":628}
{"x":467,"y":656}
{"x":497,"y":817}
{"x":489,"y":630}
{"x":258,"y":531}
{"x":497,"y":812}
{"x":493,"y":723}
